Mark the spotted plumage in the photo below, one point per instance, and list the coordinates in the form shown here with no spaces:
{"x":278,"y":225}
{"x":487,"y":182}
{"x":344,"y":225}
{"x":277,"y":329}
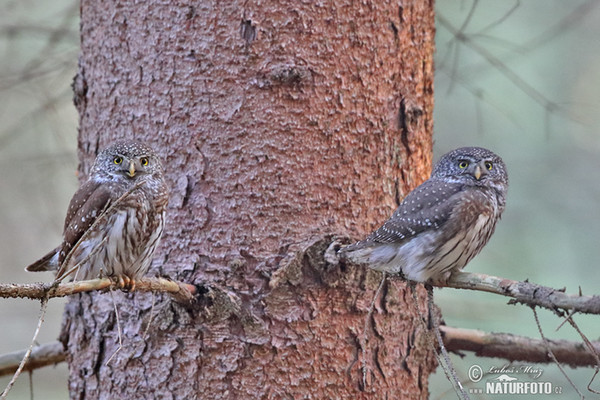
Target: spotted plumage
{"x":115,"y":220}
{"x":442,"y":224}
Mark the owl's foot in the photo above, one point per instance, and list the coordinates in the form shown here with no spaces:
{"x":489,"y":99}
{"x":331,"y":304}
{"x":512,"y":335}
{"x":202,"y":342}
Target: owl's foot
{"x":125,"y":283}
{"x":440,"y":279}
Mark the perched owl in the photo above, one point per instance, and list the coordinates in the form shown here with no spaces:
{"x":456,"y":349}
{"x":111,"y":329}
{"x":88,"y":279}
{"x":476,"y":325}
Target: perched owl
{"x":115,"y":220}
{"x":442,"y":224}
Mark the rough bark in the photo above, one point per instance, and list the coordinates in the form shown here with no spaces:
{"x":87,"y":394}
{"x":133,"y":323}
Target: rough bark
{"x":279,"y":125}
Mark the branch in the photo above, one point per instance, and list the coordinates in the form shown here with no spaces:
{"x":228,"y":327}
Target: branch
{"x":522,"y":292}
{"x":41,"y":356}
{"x":483,"y":344}
{"x":517,"y":348}
{"x":525,"y":292}
{"x":182,"y":292}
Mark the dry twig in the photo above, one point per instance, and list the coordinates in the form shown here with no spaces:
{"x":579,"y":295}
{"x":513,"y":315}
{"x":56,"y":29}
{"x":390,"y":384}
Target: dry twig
{"x":551,"y":353}
{"x":28,"y":352}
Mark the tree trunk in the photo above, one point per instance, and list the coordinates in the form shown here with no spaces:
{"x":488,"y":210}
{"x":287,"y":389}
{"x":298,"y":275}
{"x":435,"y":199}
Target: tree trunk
{"x":279,"y":125}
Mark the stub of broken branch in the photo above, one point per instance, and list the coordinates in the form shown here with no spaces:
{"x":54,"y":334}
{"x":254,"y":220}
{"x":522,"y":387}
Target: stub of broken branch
{"x":182,"y":292}
{"x":526,"y":292}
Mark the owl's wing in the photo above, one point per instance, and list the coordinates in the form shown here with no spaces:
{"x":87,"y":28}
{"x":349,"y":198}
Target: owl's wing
{"x":91,"y":200}
{"x":86,"y":205}
{"x":427,"y":207}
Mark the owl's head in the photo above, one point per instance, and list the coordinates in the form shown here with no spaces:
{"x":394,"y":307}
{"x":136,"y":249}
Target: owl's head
{"x":130,"y":160}
{"x":473,"y":166}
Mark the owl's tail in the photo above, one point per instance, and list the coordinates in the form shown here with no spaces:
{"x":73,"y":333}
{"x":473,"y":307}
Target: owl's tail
{"x":357,"y":253}
{"x":47,"y":263}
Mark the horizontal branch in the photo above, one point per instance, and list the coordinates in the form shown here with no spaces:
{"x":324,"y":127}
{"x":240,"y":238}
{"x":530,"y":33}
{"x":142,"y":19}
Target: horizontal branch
{"x":525,"y":292}
{"x":521,"y":291}
{"x":517,"y":348}
{"x":484,"y":344}
{"x":181,"y":291}
{"x":41,"y":356}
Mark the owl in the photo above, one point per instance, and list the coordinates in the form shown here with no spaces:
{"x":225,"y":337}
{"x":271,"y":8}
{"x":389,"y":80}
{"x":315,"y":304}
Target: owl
{"x":115,"y":220}
{"x":442,"y":224}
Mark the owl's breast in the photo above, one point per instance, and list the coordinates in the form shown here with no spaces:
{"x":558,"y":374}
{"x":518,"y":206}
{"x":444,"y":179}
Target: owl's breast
{"x":473,"y":204}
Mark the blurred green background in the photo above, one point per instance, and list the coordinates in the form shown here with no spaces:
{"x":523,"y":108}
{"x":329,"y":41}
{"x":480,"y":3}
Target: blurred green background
{"x":519,"y":77}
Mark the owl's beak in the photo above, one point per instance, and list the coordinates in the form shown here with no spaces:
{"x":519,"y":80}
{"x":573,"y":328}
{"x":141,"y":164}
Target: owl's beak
{"x":131,"y":169}
{"x":478,"y":172}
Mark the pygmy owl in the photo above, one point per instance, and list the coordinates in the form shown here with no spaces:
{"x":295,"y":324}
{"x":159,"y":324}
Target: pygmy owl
{"x":442,"y":224}
{"x":115,"y":220}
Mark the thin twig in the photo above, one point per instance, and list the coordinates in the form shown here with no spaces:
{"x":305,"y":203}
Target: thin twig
{"x":436,"y":330}
{"x":96,"y":249}
{"x":43,"y":309}
{"x":61,"y":274}
{"x":147,"y":329}
{"x":565,"y":320}
{"x":592,"y":350}
{"x":119,"y":330}
{"x":30,"y":374}
{"x":366,"y":327}
{"x":431,"y":342}
{"x":512,"y":76}
{"x":551,"y":354}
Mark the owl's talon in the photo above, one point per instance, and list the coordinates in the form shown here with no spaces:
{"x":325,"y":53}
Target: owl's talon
{"x":129,"y":284}
{"x":125,"y":283}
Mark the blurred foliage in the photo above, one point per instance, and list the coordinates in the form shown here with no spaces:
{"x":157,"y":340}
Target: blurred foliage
{"x":39,"y":43}
{"x":522,"y":78}
{"x":518,"y":77}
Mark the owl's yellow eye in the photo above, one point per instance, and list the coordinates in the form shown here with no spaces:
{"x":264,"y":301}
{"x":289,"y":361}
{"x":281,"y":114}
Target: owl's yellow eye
{"x":463,"y":164}
{"x":489,"y":165}
{"x":118,"y":160}
{"x":144,"y":161}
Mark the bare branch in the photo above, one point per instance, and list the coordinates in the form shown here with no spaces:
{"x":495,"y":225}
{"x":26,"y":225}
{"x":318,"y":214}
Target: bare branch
{"x":523,"y":292}
{"x":181,"y":291}
{"x":483,"y":344}
{"x":512,"y":76}
{"x":517,"y":348}
{"x":526,"y":292}
{"x":41,"y":356}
